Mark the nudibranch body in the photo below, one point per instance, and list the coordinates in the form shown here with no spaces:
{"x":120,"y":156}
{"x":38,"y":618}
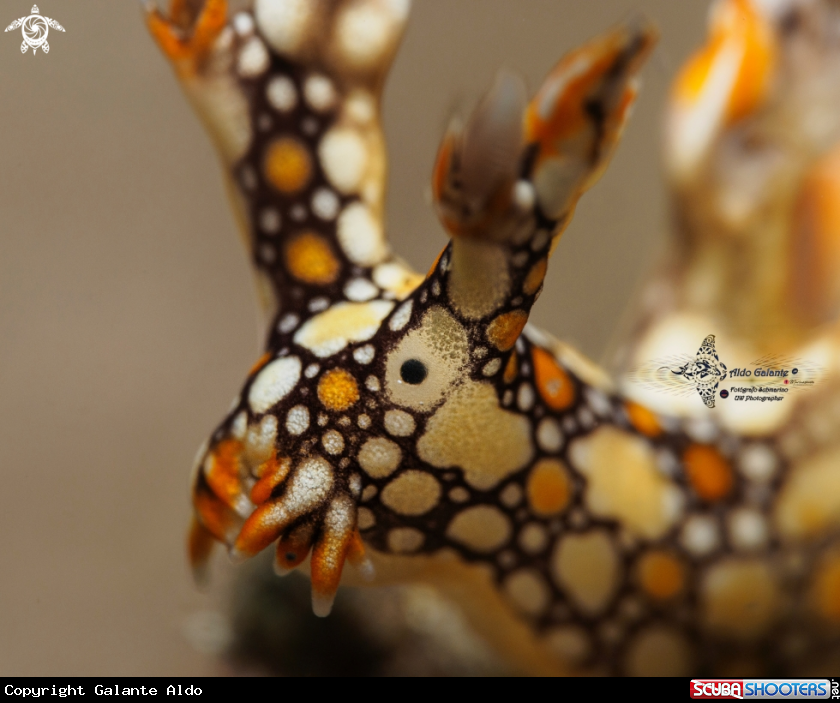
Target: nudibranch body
{"x":754,"y":171}
{"x":419,"y":426}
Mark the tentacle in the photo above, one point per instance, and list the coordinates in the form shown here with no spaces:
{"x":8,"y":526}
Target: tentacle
{"x":199,"y":548}
{"x":506,"y":185}
{"x":307,"y":488}
{"x":290,"y":91}
{"x":330,"y":552}
{"x":293,"y":549}
{"x":727,"y":80}
{"x":357,"y":556}
{"x":187,"y":37}
{"x":214,"y":514}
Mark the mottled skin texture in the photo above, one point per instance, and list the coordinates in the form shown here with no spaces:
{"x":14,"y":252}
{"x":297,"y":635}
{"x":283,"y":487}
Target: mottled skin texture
{"x":416,"y":422}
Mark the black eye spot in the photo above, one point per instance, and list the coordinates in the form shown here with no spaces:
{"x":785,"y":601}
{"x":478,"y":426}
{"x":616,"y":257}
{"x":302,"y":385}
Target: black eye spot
{"x":290,"y":556}
{"x":413,"y":372}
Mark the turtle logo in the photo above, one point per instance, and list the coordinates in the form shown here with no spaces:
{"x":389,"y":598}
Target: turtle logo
{"x":705,"y":371}
{"x":35,"y":29}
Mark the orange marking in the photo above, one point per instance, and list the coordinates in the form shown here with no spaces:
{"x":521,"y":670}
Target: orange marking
{"x":216,"y":517}
{"x":223,"y":474}
{"x":288,"y":166}
{"x":553,"y":382}
{"x":814,"y":246}
{"x":310,"y":259}
{"x":328,"y":558}
{"x":535,"y":277}
{"x":262,"y":361}
{"x":556,"y":115}
{"x":549,"y":487}
{"x":512,"y":368}
{"x":642,"y":419}
{"x":199,"y":548}
{"x":260,"y":529}
{"x":292,"y":550}
{"x":735,"y":28}
{"x":506,"y":328}
{"x":661,"y":575}
{"x":708,"y":471}
{"x":827,"y":589}
{"x":188,"y":53}
{"x":338,"y":390}
{"x":272,"y":474}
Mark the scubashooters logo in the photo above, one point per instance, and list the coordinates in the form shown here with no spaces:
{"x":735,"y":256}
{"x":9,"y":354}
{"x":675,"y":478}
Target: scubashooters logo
{"x":767,"y":379}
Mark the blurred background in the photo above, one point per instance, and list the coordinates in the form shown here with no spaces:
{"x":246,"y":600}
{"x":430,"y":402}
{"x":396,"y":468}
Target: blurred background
{"x":128,"y":318}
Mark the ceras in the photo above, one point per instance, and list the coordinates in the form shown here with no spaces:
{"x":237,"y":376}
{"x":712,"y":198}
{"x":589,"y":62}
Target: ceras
{"x":414,"y":425}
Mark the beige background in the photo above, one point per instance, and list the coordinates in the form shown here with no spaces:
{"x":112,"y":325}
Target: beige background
{"x":127,"y":319}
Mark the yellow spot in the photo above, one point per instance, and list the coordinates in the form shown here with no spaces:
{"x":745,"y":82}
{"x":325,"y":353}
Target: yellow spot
{"x":412,"y":493}
{"x":642,"y":419}
{"x":549,"y":487}
{"x":624,"y":483}
{"x":661,"y":575}
{"x":535,"y":277}
{"x":826,"y":591}
{"x":708,"y":471}
{"x":511,"y":368}
{"x":506,"y":328}
{"x":533,"y":538}
{"x":659,"y":651}
{"x":332,"y":330}
{"x":338,"y":390}
{"x":570,"y":643}
{"x":739,"y":598}
{"x":365,"y":519}
{"x":553,"y":382}
{"x":587,"y":568}
{"x":287,"y":165}
{"x":396,"y":278}
{"x":405,"y":539}
{"x":527,"y":591}
{"x":472,"y":432}
{"x":809,"y":501}
{"x":310,"y":259}
{"x":482,"y":528}
{"x":379,"y":457}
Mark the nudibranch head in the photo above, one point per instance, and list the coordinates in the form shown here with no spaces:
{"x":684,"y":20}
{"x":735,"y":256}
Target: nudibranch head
{"x":376,"y":381}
